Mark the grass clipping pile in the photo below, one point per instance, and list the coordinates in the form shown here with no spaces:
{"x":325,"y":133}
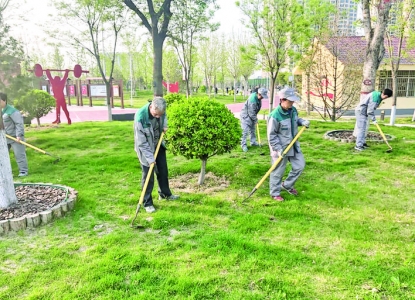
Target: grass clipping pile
{"x":33,"y":199}
{"x":187,"y":183}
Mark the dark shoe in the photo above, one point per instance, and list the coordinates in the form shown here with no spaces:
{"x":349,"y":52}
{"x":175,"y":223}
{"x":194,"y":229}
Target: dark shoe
{"x":56,"y":122}
{"x":359,"y":148}
{"x":171,"y":197}
{"x":255,"y":145}
{"x":278,"y":198}
{"x":23,"y":174}
{"x":150,"y":209}
{"x":291,"y":191}
{"x":365,"y":146}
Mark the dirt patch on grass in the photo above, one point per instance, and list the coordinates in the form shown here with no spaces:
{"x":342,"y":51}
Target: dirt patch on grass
{"x":41,"y":127}
{"x":348,"y":135}
{"x":188,"y":183}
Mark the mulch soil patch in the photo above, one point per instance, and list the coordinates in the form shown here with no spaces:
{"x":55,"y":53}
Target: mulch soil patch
{"x":348,"y":134}
{"x":33,"y":199}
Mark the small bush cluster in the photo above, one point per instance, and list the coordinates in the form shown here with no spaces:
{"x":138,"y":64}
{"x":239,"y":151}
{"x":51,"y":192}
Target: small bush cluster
{"x":35,"y":104}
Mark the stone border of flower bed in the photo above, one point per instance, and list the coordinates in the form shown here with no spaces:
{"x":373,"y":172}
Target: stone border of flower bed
{"x":44,"y":217}
{"x":332,"y":138}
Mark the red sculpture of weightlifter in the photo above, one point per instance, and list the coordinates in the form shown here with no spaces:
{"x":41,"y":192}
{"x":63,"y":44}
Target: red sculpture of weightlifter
{"x":58,"y":85}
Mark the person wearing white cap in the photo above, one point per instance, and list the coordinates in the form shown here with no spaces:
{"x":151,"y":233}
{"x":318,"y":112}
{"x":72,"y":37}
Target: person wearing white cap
{"x":283,"y":125}
{"x":249,"y":116}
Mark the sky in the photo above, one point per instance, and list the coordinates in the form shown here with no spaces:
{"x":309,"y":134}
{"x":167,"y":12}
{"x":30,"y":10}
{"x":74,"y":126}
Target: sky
{"x":229,"y":16}
{"x":27,"y":17}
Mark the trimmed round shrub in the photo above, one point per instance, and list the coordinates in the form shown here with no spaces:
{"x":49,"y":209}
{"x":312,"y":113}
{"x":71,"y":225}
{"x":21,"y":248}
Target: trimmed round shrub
{"x":200,"y":128}
{"x":173,"y":97}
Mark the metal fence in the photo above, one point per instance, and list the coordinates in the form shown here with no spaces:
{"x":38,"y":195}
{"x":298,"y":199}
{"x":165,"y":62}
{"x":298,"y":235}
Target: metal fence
{"x":405,"y":82}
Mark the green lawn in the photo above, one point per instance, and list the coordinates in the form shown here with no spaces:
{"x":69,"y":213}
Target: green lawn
{"x":143,"y":97}
{"x":350,"y":234}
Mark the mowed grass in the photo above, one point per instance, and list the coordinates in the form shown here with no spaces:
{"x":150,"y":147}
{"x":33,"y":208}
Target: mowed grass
{"x":142,"y":97}
{"x":350,"y":234}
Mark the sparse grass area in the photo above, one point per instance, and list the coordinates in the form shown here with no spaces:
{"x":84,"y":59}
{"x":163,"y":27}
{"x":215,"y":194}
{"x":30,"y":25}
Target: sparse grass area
{"x":350,"y":234}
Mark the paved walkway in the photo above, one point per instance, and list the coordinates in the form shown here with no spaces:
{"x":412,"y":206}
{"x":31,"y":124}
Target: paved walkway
{"x":84,"y":114}
{"x":100,"y":113}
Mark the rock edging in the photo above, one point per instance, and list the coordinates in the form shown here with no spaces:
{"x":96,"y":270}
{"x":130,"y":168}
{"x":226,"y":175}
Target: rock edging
{"x":44,"y":217}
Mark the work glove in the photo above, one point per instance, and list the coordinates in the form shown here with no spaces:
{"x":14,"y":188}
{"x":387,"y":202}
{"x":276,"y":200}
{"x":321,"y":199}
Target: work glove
{"x":275,"y":154}
{"x":306,"y":123}
{"x":374,"y":122}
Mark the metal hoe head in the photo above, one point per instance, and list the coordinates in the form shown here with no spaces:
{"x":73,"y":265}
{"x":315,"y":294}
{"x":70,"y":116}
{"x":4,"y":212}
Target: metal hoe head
{"x":250,"y":194}
{"x":136,"y":226}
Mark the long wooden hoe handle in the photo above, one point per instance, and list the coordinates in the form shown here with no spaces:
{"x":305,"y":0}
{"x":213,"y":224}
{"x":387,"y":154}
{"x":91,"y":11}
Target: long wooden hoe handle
{"x":274,"y":165}
{"x":383,"y":136}
{"x":31,"y":146}
{"x":259,"y":138}
{"x":150,"y":171}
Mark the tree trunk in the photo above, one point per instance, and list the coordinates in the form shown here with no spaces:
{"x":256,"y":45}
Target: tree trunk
{"x":272,"y":91}
{"x":395,"y":91}
{"x":7,"y":192}
{"x":234,"y":89}
{"x":375,"y":47}
{"x":202,"y":172}
{"x":308,"y":108}
{"x":109,"y":105}
{"x":187,"y":83}
{"x":157,"y":66}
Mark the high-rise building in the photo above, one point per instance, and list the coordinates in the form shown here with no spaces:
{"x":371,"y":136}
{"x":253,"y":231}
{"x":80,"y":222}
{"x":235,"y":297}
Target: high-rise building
{"x":344,"y":20}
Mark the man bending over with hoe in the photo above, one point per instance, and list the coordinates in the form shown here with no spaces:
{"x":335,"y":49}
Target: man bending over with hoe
{"x":283,"y":125}
{"x":249,"y":117}
{"x":365,"y":109}
{"x":149,"y":123}
{"x":13,"y":126}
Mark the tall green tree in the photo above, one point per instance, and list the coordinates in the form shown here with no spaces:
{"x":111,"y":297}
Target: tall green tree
{"x":99,"y":22}
{"x":191,"y":20}
{"x":171,"y":67}
{"x":334,"y":79}
{"x":155,"y":16}
{"x":321,"y":28}
{"x":399,"y":35}
{"x":247,"y":64}
{"x":234,"y":60}
{"x":12,"y":60}
{"x":278,"y":28}
{"x":222,"y":55}
{"x":57,"y":58}
{"x":210,"y":57}
{"x":143,"y":65}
